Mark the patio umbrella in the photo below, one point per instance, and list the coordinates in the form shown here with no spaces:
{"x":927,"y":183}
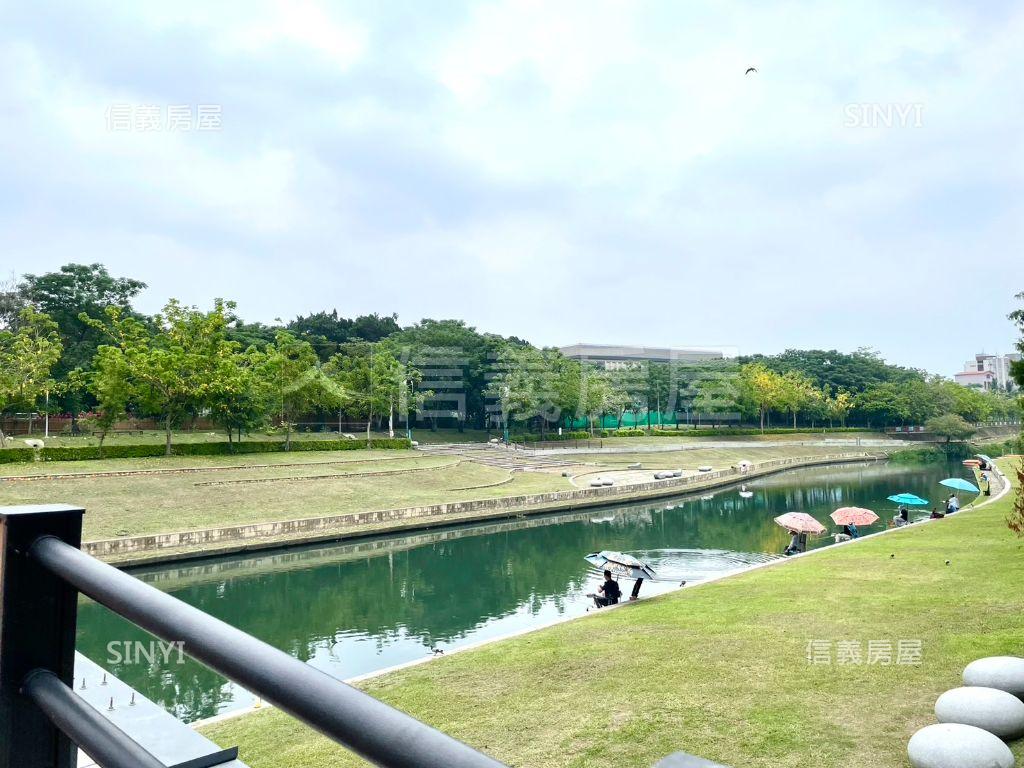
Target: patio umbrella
{"x":854,"y":516}
{"x":986,"y":458}
{"x":959,"y":484}
{"x":621,"y":564}
{"x":909,"y":499}
{"x":799,"y":522}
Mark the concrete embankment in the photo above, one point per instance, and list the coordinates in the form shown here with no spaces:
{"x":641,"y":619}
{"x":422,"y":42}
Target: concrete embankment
{"x":182,"y":545}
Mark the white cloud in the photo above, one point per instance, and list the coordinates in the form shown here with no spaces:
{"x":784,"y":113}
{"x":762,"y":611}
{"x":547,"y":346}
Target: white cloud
{"x":506,"y":160}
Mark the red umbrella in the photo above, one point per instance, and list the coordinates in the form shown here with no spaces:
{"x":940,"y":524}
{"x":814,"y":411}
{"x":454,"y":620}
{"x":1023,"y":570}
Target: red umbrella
{"x":854,"y":516}
{"x":799,"y":522}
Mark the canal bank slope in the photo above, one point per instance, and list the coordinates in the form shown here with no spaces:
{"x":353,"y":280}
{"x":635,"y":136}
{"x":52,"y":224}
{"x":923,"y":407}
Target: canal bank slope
{"x":208,"y":542}
{"x":722,"y":670}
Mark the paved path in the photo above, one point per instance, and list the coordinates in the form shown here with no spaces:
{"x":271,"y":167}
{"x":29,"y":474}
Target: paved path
{"x":497,"y":456}
{"x":865,"y":444}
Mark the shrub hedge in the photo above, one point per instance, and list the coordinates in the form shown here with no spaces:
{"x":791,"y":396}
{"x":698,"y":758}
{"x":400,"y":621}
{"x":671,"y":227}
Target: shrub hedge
{"x":957,"y":451}
{"x":14,"y":455}
{"x":84,"y":452}
{"x":530,"y":437}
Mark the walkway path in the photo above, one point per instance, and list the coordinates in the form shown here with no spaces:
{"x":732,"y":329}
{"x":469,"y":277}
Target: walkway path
{"x":497,"y":456}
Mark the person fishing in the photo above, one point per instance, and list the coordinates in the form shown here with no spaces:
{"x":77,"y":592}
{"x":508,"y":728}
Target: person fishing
{"x":609,"y":592}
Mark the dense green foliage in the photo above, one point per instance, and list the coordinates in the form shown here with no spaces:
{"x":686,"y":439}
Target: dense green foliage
{"x":93,"y":351}
{"x":87,"y":452}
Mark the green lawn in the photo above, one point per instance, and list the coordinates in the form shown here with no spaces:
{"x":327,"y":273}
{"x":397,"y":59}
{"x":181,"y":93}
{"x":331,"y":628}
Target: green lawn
{"x":721,"y":670}
{"x":128,"y":506}
{"x":424,"y":436}
{"x":718,"y":458}
{"x":157,"y":437}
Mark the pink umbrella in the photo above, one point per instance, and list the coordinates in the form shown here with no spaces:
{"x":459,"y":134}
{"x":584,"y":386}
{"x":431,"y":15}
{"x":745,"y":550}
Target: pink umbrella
{"x":799,"y":522}
{"x":854,"y":516}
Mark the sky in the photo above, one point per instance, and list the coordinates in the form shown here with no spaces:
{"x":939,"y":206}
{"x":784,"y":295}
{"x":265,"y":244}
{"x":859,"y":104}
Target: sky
{"x":594,"y":171}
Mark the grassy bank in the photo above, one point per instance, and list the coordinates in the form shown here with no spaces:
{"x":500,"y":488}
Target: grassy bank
{"x":722,"y":670}
{"x":331,"y":483}
{"x":423,"y":436}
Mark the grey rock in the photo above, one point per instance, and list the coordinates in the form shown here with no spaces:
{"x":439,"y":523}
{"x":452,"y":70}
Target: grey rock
{"x":684,"y":760}
{"x":1003,"y":672}
{"x":953,"y":745}
{"x":995,"y":711}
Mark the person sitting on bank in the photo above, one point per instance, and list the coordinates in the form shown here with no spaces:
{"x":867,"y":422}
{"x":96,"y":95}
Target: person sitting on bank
{"x":952,"y":504}
{"x":609,"y":592}
{"x":797,"y":544}
{"x":936,"y":515}
{"x":986,"y":485}
{"x":901,"y":518}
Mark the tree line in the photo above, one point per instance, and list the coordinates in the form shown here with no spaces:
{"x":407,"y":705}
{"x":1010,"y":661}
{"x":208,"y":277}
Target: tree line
{"x":71,"y":341}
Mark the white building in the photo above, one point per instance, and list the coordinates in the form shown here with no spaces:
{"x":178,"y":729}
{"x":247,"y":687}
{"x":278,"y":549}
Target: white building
{"x":988,"y":371}
{"x":615,"y":357}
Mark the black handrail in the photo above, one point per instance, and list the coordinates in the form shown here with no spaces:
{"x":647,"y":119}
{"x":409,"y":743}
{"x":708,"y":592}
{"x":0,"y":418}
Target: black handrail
{"x":103,"y":741}
{"x":374,"y":730}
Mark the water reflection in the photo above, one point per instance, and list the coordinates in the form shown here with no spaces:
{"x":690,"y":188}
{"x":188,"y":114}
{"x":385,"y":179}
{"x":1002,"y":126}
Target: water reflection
{"x":353,"y":608}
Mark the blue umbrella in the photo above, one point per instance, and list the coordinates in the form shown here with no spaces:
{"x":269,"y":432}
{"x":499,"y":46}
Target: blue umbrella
{"x":959,"y":484}
{"x":908,"y":498}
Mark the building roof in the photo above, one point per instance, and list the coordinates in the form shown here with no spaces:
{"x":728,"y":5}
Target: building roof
{"x":974,"y":375}
{"x":623,"y":352}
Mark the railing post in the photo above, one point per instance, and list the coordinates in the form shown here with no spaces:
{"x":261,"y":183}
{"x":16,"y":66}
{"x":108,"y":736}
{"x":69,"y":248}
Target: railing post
{"x":37,"y":631}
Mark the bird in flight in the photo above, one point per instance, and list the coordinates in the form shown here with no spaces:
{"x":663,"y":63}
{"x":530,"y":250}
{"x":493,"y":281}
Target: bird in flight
{"x":749,"y":70}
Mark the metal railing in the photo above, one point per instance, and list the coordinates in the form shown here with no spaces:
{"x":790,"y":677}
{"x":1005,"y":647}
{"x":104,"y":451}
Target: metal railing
{"x":42,"y":573}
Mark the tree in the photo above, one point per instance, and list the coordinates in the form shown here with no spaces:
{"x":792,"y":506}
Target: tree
{"x":512,"y":385}
{"x":659,"y":388}
{"x":327,"y":332}
{"x":68,"y":294}
{"x":885,"y":403}
{"x":458,"y":361}
{"x":295,"y":383}
{"x":950,"y":426}
{"x":761,"y":387}
{"x":838,"y":406}
{"x":110,"y":383}
{"x":176,"y":365}
{"x":596,"y":395}
{"x":717,"y":393}
{"x":1017,"y":369}
{"x":241,"y":402}
{"x":795,"y":392}
{"x":26,"y":358}
{"x":853,"y":372}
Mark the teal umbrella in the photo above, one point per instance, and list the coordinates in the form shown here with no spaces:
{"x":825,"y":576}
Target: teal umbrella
{"x":909,"y":499}
{"x":959,"y":484}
